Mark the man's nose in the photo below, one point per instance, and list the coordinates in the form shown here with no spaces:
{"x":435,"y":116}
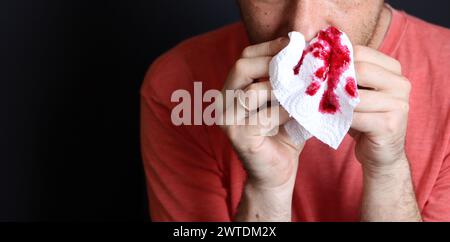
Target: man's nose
{"x":307,"y":17}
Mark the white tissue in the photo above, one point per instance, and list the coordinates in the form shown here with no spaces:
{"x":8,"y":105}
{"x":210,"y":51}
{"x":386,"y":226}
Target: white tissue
{"x":291,"y":89}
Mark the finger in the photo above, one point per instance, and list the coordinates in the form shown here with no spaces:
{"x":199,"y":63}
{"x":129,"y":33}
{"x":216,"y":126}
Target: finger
{"x":252,"y":97}
{"x":240,"y":104}
{"x":235,"y":114}
{"x":366,"y":54}
{"x":270,"y":48}
{"x":267,"y":121}
{"x":375,"y":77}
{"x":255,"y":95}
{"x":246,"y":70}
{"x":373,"y":101}
{"x":367,"y":122}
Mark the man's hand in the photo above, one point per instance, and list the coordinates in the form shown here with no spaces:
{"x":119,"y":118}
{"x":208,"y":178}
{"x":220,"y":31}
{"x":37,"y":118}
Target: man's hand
{"x":271,"y":161}
{"x":379,"y":129}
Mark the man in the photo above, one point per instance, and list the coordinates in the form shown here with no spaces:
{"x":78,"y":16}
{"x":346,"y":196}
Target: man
{"x":393,"y":166}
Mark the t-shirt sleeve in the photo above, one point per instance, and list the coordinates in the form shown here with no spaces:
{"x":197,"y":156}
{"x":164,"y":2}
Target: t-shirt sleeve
{"x":437,"y":208}
{"x":184,"y":180}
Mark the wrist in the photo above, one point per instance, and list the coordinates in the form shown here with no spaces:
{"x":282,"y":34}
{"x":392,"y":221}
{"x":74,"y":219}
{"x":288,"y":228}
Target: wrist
{"x":372,"y":170}
{"x":281,"y":193}
{"x":388,"y":193}
{"x":265,"y":204}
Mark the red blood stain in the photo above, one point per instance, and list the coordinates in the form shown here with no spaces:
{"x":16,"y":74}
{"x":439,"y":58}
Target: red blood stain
{"x":313,"y":88}
{"x":322,"y":72}
{"x":336,"y":58}
{"x":329,"y":103}
{"x":300,"y":63}
{"x":318,"y":51}
{"x":350,"y":87}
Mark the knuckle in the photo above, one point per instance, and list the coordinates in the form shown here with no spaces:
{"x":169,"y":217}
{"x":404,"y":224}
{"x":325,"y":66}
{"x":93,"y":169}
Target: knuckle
{"x":403,"y":107}
{"x":395,"y":121}
{"x":406,"y":84}
{"x":397,"y":65}
{"x":361,"y":67}
{"x":246,"y":52}
{"x":391,"y":124}
{"x":358,"y":50}
{"x":404,"y":87}
{"x":239,"y":66}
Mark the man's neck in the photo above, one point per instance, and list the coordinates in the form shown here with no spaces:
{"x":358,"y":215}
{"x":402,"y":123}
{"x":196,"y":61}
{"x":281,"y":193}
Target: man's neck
{"x":382,"y":28}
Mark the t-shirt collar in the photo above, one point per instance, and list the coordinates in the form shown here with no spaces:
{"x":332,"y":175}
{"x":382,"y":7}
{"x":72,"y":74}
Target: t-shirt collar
{"x":396,"y":30}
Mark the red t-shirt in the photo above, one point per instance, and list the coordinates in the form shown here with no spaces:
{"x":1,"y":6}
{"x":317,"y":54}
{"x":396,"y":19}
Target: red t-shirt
{"x":193,"y":174}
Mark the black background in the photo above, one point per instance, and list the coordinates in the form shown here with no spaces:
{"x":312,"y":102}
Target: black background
{"x":70,"y":74}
